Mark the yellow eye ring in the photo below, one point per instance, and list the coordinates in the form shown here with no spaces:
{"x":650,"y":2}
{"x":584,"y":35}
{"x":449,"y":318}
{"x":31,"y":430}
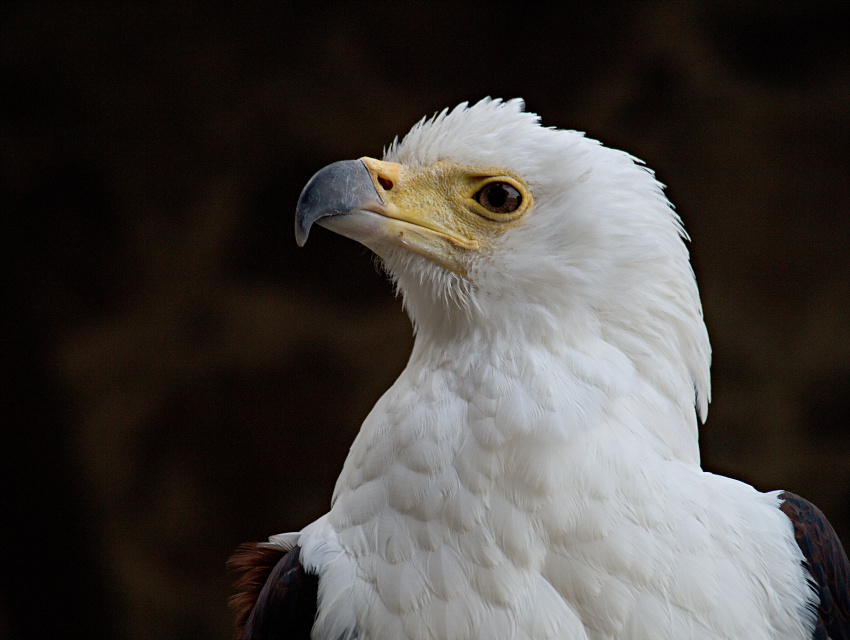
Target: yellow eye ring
{"x":501,"y":199}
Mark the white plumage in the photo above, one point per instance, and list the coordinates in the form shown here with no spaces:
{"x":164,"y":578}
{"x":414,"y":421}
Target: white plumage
{"x":534,"y":471}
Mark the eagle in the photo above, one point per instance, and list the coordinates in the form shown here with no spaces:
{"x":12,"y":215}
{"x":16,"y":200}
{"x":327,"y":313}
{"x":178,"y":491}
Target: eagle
{"x":534,"y":472}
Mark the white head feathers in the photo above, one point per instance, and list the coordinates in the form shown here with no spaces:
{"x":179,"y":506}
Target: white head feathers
{"x":600,"y":254}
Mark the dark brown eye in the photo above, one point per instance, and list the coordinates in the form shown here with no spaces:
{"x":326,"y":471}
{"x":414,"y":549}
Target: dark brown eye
{"x":499,"y":197}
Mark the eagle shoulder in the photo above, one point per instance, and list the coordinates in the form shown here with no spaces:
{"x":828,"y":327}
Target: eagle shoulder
{"x":279,"y":597}
{"x":827,"y":563}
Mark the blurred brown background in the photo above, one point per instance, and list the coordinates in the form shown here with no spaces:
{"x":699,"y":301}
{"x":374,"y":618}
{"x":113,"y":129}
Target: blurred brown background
{"x":180,"y":378}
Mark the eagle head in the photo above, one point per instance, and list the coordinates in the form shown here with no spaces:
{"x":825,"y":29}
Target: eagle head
{"x":495,"y":228}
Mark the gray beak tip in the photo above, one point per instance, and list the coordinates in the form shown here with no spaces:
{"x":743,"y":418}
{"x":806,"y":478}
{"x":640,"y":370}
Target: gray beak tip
{"x":300,"y":232}
{"x":337,"y":189}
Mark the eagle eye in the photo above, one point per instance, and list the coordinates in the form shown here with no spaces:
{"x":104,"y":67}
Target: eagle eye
{"x":499,"y":197}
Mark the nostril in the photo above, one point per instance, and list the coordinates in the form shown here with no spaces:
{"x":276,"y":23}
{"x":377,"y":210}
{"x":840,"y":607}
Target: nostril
{"x":386,"y":184}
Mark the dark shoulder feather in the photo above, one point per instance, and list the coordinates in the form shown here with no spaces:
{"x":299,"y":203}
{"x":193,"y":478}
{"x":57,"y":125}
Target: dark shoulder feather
{"x":279,"y":597}
{"x":827,"y":563}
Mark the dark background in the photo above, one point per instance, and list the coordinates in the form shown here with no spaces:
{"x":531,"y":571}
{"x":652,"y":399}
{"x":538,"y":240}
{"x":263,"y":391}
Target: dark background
{"x":180,"y":378}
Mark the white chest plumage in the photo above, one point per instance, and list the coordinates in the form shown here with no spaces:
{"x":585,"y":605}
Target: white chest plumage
{"x":495,"y":499}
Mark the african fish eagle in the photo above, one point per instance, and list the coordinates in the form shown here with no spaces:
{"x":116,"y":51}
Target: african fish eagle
{"x":534,"y":472}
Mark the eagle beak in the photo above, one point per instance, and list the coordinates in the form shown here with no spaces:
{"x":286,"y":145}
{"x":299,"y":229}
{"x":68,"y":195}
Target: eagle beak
{"x":377,"y":204}
{"x":340,"y":188}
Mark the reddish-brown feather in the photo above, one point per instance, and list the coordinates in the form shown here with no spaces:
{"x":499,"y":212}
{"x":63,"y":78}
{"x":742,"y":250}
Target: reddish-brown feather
{"x":255,"y":563}
{"x":827,"y":563}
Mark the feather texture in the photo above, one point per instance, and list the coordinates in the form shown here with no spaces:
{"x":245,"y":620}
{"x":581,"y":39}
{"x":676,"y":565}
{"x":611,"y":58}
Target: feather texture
{"x":827,"y":563}
{"x":280,"y":597}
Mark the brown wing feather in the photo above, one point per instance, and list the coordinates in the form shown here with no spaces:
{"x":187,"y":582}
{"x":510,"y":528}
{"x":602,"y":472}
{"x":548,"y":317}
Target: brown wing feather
{"x":254,"y":563}
{"x":827,"y":563}
{"x":279,"y":597}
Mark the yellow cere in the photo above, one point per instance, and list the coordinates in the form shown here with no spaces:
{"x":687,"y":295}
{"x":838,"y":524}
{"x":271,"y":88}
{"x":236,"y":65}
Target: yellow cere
{"x":440,"y":198}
